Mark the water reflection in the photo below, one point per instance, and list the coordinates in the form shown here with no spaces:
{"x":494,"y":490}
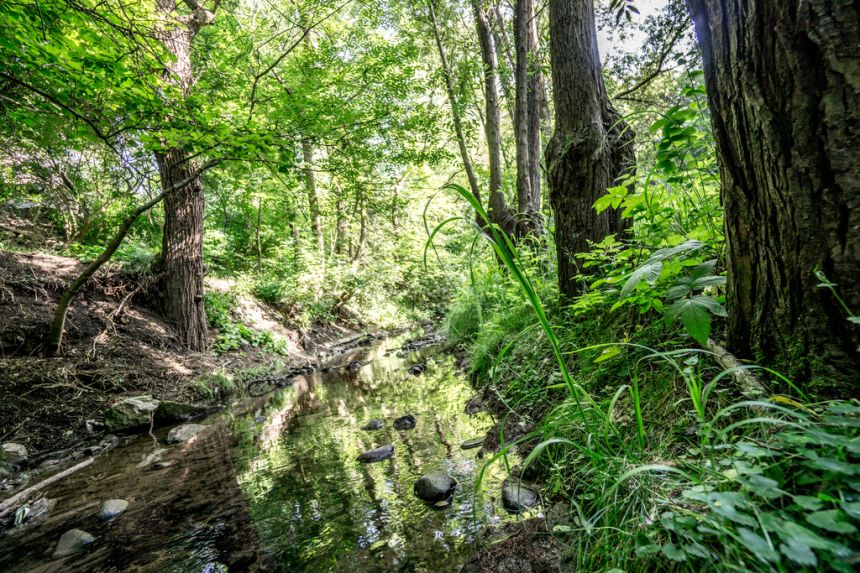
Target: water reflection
{"x":318,"y":509}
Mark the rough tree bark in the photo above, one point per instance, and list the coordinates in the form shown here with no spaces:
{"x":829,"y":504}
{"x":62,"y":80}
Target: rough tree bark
{"x":590,"y":146}
{"x":497,"y":209}
{"x":182,"y":244}
{"x":783,"y":81}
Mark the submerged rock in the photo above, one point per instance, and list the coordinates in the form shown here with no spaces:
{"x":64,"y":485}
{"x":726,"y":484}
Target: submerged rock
{"x":13,"y":454}
{"x":417,"y":369}
{"x":517,"y":498}
{"x":406,"y":422}
{"x":377,"y":454}
{"x":473,"y":443}
{"x":72,"y":542}
{"x":130,"y":414}
{"x":434,"y":487}
{"x":374,"y":424}
{"x":170,"y":412}
{"x":184,"y":433}
{"x":112,"y":508}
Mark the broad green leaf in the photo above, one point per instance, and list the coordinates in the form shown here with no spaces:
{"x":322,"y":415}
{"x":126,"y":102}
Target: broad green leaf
{"x":648,"y":272}
{"x":757,"y":545}
{"x":829,"y":520}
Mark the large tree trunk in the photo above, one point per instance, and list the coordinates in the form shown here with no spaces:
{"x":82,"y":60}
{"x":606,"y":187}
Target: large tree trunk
{"x":527,"y":124}
{"x":497,"y":208}
{"x":182,"y":245}
{"x":783,"y":80}
{"x":182,"y":249}
{"x":589,"y":147}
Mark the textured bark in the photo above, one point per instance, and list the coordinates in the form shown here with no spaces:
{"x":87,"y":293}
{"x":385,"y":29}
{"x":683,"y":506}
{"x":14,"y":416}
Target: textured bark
{"x":783,"y":80}
{"x":589,"y":148}
{"x":311,"y":190}
{"x":182,"y":245}
{"x":455,"y":108}
{"x":497,"y":208}
{"x":182,"y":249}
{"x":527,"y":124}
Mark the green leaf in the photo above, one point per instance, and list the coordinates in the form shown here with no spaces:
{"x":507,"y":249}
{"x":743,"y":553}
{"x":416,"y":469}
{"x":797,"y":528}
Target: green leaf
{"x":757,"y":545}
{"x":695,"y":318}
{"x":799,"y":553}
{"x":648,"y":272}
{"x":852,"y":509}
{"x":674,"y":552}
{"x":829,"y":521}
{"x":608,"y":352}
{"x":807,"y":502}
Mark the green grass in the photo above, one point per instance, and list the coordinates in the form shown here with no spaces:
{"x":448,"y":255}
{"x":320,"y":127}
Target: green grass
{"x":658,"y":459}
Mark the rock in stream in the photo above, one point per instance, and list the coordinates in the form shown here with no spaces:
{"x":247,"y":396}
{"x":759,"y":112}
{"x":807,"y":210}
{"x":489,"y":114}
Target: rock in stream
{"x":112,"y":508}
{"x":377,"y":454}
{"x":184,"y":433}
{"x":406,"y":422}
{"x":517,"y":498}
{"x":375,"y":424}
{"x":71,"y":542}
{"x":434,"y":487}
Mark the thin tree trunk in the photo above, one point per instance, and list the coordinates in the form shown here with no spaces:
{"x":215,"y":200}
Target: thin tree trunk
{"x":257,"y":233}
{"x":362,"y":235}
{"x":311,"y":190}
{"x":503,"y":53}
{"x":497,"y":208}
{"x":782,"y":81}
{"x":455,"y":108}
{"x":584,"y":157}
{"x":527,"y":124}
{"x":340,"y":227}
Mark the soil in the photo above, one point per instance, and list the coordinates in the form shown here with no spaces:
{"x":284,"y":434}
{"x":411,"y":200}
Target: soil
{"x":524,"y":547}
{"x":114,"y":347}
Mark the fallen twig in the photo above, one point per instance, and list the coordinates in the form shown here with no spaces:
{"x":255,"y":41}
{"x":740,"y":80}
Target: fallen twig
{"x":748,"y":382}
{"x":8,"y":505}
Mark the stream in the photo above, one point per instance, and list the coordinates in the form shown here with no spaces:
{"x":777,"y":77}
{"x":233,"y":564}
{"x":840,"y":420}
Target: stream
{"x":273,"y":483}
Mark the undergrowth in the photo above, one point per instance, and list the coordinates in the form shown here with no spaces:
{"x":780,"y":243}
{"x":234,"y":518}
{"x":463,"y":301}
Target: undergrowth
{"x":653,"y":452}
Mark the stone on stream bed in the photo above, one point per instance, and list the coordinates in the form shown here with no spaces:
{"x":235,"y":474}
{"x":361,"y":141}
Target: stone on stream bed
{"x":517,"y":498}
{"x":434,"y":487}
{"x":14,"y":454}
{"x":169,"y":412}
{"x":417,"y":369}
{"x":377,"y":454}
{"x":473,"y":443}
{"x":130,"y":414}
{"x":375,"y":424}
{"x":72,"y":542}
{"x":406,"y":422}
{"x":184,"y":433}
{"x":112,"y":508}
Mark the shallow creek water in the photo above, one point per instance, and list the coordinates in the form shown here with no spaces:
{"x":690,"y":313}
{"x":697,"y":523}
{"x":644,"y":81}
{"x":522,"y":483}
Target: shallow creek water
{"x":274,"y":485}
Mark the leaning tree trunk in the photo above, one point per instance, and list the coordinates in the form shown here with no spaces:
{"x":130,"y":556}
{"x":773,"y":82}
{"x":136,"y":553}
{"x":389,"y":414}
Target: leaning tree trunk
{"x":182,"y":244}
{"x":590,"y":146}
{"x":783,"y":80}
{"x":497,"y":208}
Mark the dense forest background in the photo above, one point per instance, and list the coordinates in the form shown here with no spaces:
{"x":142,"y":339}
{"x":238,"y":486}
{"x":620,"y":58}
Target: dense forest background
{"x":638,"y":219}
